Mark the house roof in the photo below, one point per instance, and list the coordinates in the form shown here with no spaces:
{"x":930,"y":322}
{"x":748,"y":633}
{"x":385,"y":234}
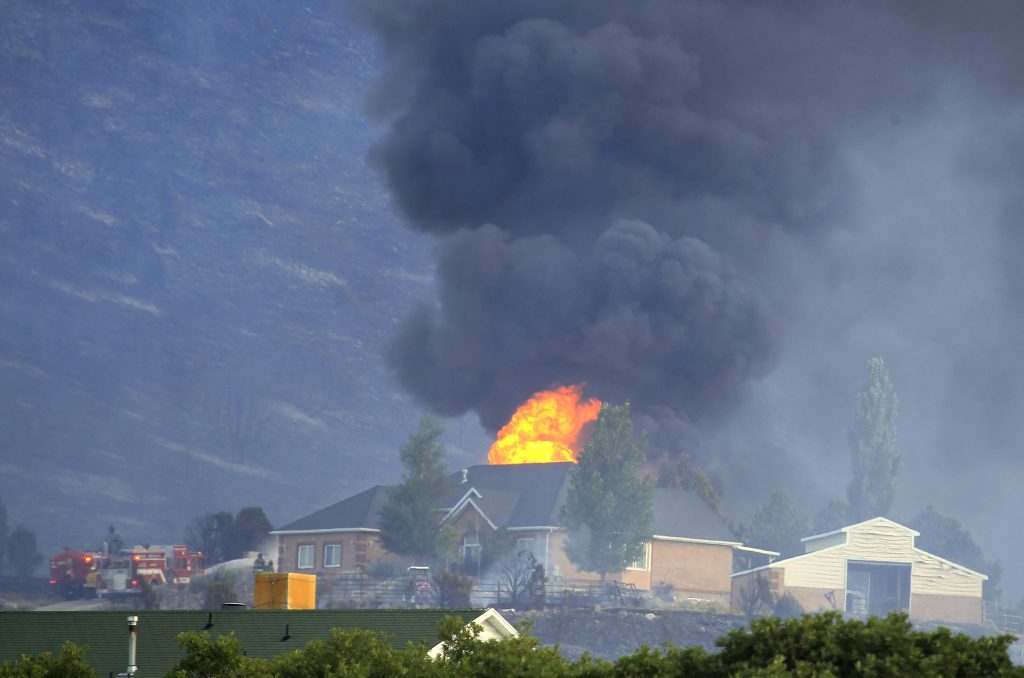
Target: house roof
{"x":678,"y":513}
{"x":261,"y":632}
{"x":514,"y":495}
{"x":520,"y":496}
{"x":360,"y":511}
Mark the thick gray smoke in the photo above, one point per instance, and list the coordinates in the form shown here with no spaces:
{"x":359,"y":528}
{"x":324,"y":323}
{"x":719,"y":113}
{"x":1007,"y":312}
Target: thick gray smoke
{"x":636,"y":315}
{"x":693,"y":201}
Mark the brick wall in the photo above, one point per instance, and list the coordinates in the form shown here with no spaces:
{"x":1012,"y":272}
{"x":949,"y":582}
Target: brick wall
{"x":359,"y":550}
{"x":698,"y":570}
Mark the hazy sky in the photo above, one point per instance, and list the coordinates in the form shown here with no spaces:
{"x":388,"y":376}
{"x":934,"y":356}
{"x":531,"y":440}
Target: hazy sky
{"x":721,"y":210}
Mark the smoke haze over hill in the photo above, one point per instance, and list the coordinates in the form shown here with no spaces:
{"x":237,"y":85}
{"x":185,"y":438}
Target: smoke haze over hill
{"x":719,"y":210}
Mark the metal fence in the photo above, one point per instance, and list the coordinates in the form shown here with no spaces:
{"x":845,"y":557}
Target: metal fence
{"x":359,"y":590}
{"x":1002,"y":621}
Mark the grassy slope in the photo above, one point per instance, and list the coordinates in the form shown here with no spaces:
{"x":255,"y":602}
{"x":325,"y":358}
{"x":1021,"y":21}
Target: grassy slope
{"x":198,"y":269}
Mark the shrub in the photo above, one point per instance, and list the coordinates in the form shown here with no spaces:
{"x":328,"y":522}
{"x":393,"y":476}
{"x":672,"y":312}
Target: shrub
{"x":70,"y":663}
{"x":787,"y":606}
{"x":663,"y":591}
{"x":453,"y":589}
{"x":383,"y":569}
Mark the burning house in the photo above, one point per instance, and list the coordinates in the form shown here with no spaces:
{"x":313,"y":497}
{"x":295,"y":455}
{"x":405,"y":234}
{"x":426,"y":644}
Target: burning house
{"x":692,"y":548}
{"x":523,"y":490}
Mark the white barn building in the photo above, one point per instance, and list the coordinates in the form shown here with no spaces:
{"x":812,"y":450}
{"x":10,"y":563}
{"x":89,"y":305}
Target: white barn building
{"x":873,"y":568}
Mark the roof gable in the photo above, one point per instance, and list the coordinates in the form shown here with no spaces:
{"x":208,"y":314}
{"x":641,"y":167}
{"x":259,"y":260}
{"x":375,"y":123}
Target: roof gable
{"x":864,"y":525}
{"x":514,"y":495}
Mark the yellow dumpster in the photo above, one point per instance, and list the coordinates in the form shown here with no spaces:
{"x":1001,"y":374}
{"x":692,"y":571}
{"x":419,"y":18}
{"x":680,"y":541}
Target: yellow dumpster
{"x":284,"y":591}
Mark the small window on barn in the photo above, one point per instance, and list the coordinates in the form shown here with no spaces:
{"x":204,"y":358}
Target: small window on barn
{"x":332,"y":555}
{"x":306,"y":557}
{"x":643,"y":562}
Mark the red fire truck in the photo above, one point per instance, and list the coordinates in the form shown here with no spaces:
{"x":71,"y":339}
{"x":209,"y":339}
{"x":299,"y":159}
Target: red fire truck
{"x":75,"y":574}
{"x":165,"y":564}
{"x":86,"y":574}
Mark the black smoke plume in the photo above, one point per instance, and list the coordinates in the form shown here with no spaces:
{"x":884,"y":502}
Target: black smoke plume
{"x":686,"y":193}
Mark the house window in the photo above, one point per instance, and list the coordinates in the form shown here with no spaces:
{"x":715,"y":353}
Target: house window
{"x":306,"y":557}
{"x":471,"y":548}
{"x":643,"y":561}
{"x":332,"y":555}
{"x":525,"y":545}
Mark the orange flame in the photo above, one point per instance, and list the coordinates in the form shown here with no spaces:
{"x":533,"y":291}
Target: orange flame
{"x":546,"y":428}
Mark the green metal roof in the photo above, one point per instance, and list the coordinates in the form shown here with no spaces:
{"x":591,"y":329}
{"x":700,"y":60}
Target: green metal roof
{"x":261,"y":632}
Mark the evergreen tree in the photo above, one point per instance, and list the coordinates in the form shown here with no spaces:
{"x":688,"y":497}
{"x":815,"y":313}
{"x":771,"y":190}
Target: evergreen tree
{"x":609,"y":508}
{"x":248,"y":531}
{"x":410,"y":520}
{"x":947,"y":538}
{"x":777,"y":526}
{"x":875,"y":461}
{"x":22,"y":552}
{"x":832,"y":516}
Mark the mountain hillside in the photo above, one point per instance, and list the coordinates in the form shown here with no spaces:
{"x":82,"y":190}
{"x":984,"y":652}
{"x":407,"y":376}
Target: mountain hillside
{"x":198,"y":269}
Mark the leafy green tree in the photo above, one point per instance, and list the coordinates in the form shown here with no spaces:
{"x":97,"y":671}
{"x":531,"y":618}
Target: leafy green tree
{"x":70,"y":663}
{"x":22,"y":552}
{"x":875,"y":461}
{"x":810,"y":645}
{"x":410,"y":520}
{"x":249,"y":530}
{"x":608,"y":509}
{"x":224,"y":656}
{"x":355,"y":653}
{"x":828,"y":645}
{"x":776,"y":525}
{"x":947,"y":538}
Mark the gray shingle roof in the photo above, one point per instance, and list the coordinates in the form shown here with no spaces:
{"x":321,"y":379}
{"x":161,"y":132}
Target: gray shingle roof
{"x":523,"y":495}
{"x":261,"y":632}
{"x":679,"y":513}
{"x":358,"y":511}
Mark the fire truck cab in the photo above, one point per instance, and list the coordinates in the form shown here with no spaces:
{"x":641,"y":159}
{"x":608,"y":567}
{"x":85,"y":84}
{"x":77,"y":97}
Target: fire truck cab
{"x":74,"y":574}
{"x":161,"y":565}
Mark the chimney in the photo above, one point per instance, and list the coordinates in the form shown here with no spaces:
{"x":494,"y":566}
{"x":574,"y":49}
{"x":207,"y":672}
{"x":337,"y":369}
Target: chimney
{"x":465,"y":475}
